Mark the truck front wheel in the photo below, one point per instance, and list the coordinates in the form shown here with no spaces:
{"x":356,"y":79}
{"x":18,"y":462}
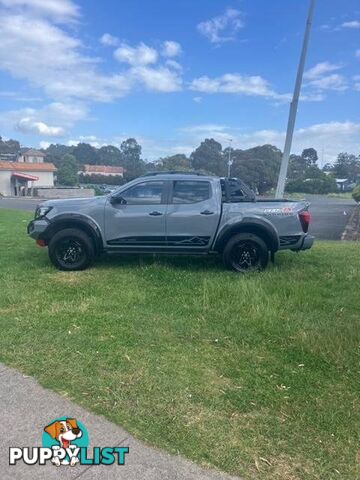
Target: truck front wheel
{"x":71,"y":249}
{"x":246,"y":252}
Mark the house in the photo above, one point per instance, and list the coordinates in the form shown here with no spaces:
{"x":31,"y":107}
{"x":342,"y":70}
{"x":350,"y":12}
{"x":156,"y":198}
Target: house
{"x":30,"y":156}
{"x":344,"y":184}
{"x":19,"y":178}
{"x":105,"y":170}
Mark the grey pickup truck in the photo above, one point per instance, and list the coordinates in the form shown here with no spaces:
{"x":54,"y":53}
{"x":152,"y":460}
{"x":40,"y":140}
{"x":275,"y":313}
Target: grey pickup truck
{"x":172,"y":213}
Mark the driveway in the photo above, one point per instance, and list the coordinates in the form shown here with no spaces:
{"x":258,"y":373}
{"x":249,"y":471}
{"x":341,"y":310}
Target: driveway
{"x":329,"y":215}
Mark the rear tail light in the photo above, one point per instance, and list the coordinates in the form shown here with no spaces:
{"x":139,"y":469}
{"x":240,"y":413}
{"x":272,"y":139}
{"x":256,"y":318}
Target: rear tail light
{"x":305,"y":219}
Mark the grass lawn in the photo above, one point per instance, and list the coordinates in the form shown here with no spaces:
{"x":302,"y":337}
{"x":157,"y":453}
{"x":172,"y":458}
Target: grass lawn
{"x":255,"y":375}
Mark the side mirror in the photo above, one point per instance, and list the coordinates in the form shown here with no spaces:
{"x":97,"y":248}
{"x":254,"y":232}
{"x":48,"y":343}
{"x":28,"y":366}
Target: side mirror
{"x":117,"y":199}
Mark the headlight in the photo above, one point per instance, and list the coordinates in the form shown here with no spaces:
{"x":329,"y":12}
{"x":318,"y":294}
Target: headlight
{"x":40,"y":212}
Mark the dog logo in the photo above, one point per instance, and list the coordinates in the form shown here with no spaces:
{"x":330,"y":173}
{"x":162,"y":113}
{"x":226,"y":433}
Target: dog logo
{"x":65,"y":441}
{"x":68,"y":434}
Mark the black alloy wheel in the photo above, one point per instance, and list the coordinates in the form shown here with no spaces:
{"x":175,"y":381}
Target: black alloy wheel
{"x":246,"y":253}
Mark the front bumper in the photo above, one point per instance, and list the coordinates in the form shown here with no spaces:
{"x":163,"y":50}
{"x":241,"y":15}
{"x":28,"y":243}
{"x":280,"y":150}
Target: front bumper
{"x":37,"y":227}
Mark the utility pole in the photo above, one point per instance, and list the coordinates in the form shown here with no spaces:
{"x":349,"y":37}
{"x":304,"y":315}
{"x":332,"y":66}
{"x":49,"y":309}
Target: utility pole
{"x":294,"y":104}
{"x":229,"y":158}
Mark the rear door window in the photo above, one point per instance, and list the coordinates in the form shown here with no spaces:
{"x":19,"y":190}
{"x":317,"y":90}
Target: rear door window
{"x":190,"y":191}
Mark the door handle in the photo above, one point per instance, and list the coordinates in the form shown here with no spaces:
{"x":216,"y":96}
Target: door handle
{"x":155,"y":213}
{"x":206,"y":212}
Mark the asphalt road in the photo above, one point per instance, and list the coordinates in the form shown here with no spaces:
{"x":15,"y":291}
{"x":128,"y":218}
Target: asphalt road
{"x":329,"y":215}
{"x":19,"y":203}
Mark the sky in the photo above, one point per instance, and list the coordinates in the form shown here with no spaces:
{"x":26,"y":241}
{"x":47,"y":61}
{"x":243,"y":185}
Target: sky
{"x":172,"y":73}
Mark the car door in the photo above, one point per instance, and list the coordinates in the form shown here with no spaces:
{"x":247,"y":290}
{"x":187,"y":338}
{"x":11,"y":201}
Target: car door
{"x":135,"y":218}
{"x":193,"y":215}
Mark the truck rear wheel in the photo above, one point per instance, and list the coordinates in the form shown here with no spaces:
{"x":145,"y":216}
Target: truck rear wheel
{"x":246,"y":252}
{"x":71,"y":249}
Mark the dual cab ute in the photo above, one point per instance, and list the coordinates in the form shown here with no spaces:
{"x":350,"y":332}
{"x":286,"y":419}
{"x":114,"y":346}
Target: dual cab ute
{"x":172,"y":213}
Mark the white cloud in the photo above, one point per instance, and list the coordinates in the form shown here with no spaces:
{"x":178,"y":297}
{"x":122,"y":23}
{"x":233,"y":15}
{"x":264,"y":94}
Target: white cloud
{"x":223,"y":27}
{"x":205,"y":128}
{"x":51,"y":58}
{"x":143,"y":71}
{"x":321,"y":77}
{"x":66,"y":113}
{"x":329,"y":138}
{"x":57,"y":10}
{"x":330,"y":82}
{"x":197,"y":99}
{"x":312,"y":97}
{"x":28,"y":125}
{"x":356,"y":79}
{"x":352,"y":24}
{"x":44,"y":144}
{"x":109,"y":40}
{"x":171,"y":49}
{"x":357,"y":53}
{"x":35,"y":48}
{"x":36,"y":121}
{"x":332,"y":137}
{"x":159,"y":79}
{"x":173,"y":64}
{"x":320,"y":69}
{"x":235,"y":83}
{"x":140,"y":55}
{"x":90,"y":139}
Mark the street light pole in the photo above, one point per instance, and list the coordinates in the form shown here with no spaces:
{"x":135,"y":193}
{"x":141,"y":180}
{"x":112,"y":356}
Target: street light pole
{"x":294,"y":104}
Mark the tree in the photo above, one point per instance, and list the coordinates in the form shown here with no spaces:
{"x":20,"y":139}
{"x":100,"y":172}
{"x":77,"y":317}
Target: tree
{"x":322,"y":184}
{"x":301,"y":166}
{"x":208,"y":157}
{"x":9,"y":146}
{"x":67,"y":171}
{"x":258,"y":167}
{"x":297,"y":167}
{"x":310,"y":156}
{"x":110,"y":155}
{"x":86,"y":154}
{"x":328,"y":167}
{"x":356,"y":194}
{"x":132,"y":162}
{"x":55,"y":153}
{"x":174,"y":162}
{"x":347,"y":166}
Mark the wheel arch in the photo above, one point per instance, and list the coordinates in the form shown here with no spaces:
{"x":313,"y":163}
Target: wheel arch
{"x":262,"y":229}
{"x":80,"y":222}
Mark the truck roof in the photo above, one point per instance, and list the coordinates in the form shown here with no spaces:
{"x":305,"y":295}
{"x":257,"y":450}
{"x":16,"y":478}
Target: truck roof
{"x":180,"y":175}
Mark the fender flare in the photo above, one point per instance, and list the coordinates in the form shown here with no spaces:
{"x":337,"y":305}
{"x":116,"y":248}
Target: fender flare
{"x":256,"y":225}
{"x":74,"y":220}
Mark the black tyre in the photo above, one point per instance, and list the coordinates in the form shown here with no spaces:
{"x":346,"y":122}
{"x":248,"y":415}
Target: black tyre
{"x":71,"y":249}
{"x":246,"y":252}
